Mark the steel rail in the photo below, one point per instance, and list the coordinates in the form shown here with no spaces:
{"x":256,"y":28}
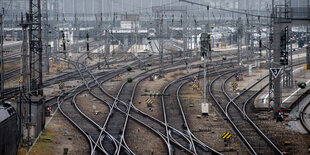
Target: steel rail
{"x":101,"y":128}
{"x":81,"y":112}
{"x":87,"y":83}
{"x":232,"y":101}
{"x":224,"y":112}
{"x":162,"y":123}
{"x":184,"y":117}
{"x":302,"y":116}
{"x":190,"y":140}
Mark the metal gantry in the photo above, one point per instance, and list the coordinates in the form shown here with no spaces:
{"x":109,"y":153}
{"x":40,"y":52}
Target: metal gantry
{"x":45,"y":36}
{"x":35,"y":42}
{"x":56,"y":29}
{"x":284,"y":16}
{"x":239,"y":41}
{"x":1,"y":59}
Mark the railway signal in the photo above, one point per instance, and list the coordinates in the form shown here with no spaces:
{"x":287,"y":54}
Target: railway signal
{"x":48,"y":110}
{"x":205,"y":52}
{"x":237,"y":77}
{"x":279,"y":116}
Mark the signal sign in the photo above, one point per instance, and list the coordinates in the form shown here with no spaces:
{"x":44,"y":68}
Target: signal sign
{"x":119,"y":78}
{"x":194,"y":86}
{"x":305,"y":67}
{"x":226,"y":136}
{"x":149,"y":102}
{"x":275,"y":72}
{"x":20,"y":80}
{"x":234,"y":84}
{"x":61,"y":85}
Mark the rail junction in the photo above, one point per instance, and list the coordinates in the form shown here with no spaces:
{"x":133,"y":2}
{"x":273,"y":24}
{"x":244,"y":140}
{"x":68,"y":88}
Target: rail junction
{"x":172,"y":77}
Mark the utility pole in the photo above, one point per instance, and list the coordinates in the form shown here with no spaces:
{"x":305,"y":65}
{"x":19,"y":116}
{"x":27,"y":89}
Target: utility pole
{"x":56,"y":34}
{"x":269,"y":56}
{"x":2,"y":59}
{"x":161,"y":49}
{"x":276,"y":64}
{"x":287,"y":67}
{"x":252,"y":40}
{"x":35,"y":38}
{"x":308,"y":42}
{"x":185,"y":32}
{"x":260,"y":37}
{"x":205,"y":53}
{"x":31,"y":98}
{"x":45,"y":36}
{"x":239,"y":41}
{"x":76,"y":26}
{"x":25,"y":79}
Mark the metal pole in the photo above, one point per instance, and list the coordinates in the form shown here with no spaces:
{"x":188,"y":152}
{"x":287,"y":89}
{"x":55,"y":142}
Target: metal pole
{"x":122,"y":6}
{"x":161,"y":47}
{"x":45,"y":34}
{"x":276,"y":64}
{"x":204,"y":80}
{"x":2,"y":59}
{"x":239,"y":42}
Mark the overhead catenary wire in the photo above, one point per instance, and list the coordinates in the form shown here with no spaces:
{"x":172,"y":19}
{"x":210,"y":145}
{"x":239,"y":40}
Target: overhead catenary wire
{"x":239,"y":11}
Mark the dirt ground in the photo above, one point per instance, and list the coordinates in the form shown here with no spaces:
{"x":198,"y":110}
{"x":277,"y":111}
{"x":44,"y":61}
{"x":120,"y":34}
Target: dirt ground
{"x":144,"y":142}
{"x":92,"y":107}
{"x":58,"y":135}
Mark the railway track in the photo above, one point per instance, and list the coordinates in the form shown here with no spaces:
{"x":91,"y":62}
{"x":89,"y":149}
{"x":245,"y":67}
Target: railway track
{"x":11,"y":92}
{"x":159,"y":128}
{"x":122,"y":108}
{"x":95,"y":135}
{"x":129,"y":114}
{"x":303,"y":118}
{"x":116,"y":121}
{"x":72,"y":112}
{"x":231,"y":107}
{"x":68,"y":108}
{"x":79,"y":118}
{"x":234,"y":107}
{"x":175,"y":117}
{"x":11,"y":74}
